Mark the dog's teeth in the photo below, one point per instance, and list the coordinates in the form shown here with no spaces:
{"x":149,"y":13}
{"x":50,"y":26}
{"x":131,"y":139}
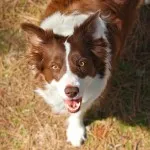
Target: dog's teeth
{"x":76,"y":106}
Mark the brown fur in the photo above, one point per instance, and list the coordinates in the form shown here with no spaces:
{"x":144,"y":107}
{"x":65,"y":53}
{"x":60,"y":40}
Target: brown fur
{"x":85,"y":47}
{"x":46,"y":50}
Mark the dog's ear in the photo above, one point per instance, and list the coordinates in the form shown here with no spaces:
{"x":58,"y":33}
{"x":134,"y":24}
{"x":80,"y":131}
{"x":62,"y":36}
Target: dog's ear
{"x":35,"y":34}
{"x":91,"y":27}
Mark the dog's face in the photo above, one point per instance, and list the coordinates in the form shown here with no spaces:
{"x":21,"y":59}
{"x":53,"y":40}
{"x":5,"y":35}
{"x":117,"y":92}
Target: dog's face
{"x":70,"y":63}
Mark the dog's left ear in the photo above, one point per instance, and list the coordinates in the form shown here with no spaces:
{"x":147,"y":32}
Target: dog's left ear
{"x":92,"y":26}
{"x":35,"y":34}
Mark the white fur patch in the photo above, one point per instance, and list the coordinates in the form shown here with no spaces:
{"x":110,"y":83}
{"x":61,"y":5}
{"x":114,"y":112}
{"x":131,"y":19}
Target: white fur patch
{"x":52,"y":97}
{"x":68,"y":49}
{"x":63,"y":24}
{"x":76,"y":129}
{"x":99,"y":29}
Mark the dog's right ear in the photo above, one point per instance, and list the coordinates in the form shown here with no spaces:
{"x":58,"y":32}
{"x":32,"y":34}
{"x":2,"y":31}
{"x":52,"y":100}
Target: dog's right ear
{"x":36,"y":35}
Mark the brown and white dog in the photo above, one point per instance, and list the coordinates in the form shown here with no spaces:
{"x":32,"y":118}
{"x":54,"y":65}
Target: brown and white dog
{"x":75,"y":49}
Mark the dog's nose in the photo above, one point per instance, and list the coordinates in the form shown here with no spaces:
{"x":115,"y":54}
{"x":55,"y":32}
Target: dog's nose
{"x":71,"y":91}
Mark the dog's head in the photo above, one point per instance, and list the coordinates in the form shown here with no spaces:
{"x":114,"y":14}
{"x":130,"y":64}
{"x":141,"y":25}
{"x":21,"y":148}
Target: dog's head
{"x":70,"y":63}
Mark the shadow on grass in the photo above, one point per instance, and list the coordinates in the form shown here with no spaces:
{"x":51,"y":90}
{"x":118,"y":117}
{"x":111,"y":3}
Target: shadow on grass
{"x":128,"y":98}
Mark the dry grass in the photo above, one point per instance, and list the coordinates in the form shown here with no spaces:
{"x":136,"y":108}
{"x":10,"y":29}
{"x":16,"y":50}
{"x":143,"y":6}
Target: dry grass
{"x":122,"y":120}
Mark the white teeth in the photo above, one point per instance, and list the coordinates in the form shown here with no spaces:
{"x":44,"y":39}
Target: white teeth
{"x":76,"y":107}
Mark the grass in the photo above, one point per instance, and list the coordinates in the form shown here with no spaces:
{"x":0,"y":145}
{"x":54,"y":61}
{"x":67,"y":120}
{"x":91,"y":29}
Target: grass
{"x":120,"y":121}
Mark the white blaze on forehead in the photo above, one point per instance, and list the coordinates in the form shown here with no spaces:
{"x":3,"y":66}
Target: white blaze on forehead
{"x":68,"y":49}
{"x":71,"y":78}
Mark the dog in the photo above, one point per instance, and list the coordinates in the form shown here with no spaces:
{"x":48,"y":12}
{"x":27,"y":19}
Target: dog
{"x":75,"y":49}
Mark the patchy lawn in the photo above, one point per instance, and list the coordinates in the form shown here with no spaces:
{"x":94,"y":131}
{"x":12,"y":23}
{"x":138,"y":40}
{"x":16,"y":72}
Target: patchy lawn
{"x":120,"y":121}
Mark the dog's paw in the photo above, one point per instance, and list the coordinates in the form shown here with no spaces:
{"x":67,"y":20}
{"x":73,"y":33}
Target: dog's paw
{"x":76,"y":135}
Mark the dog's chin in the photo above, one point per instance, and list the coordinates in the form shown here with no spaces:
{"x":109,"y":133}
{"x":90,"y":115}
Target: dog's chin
{"x":73,"y":105}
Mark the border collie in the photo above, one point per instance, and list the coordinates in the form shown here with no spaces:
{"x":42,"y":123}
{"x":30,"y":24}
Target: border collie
{"x":74,"y":49}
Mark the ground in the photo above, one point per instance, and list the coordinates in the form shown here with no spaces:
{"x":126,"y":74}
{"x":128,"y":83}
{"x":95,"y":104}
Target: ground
{"x":119,"y":121}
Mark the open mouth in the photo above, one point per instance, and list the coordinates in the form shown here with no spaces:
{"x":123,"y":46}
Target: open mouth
{"x":73,"y":105}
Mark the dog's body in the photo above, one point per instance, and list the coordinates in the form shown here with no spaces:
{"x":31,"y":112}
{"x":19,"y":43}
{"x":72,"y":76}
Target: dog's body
{"x":74,"y":49}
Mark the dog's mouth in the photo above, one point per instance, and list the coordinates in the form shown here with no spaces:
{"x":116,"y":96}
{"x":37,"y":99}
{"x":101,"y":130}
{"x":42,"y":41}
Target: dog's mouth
{"x":73,"y":105}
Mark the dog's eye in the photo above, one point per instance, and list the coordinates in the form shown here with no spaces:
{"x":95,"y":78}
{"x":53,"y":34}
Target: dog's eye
{"x":82,"y":63}
{"x":55,"y":67}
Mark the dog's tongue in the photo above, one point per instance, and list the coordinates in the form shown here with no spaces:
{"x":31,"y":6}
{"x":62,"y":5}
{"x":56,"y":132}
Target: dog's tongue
{"x":73,"y":105}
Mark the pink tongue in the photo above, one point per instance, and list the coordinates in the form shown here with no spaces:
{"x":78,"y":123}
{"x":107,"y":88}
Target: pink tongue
{"x":71,"y":102}
{"x":73,"y":105}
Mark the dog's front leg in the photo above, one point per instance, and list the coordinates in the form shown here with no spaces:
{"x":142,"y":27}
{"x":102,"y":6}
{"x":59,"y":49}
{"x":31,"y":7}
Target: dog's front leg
{"x":76,"y":130}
